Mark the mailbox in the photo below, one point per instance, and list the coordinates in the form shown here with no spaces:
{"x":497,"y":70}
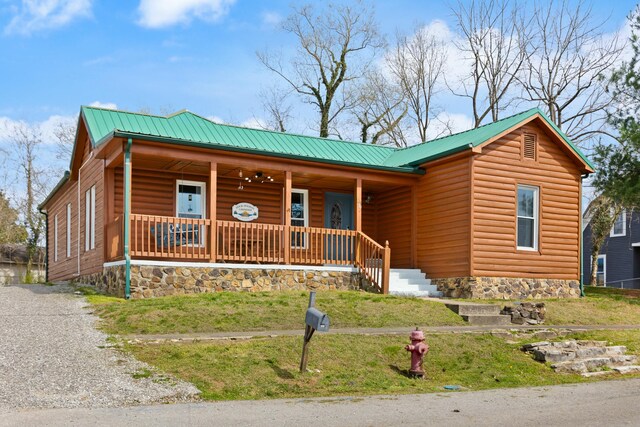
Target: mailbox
{"x":317,"y":320}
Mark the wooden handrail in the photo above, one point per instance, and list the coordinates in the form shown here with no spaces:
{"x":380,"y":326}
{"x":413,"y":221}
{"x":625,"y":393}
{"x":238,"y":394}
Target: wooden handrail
{"x":373,"y":262}
{"x":156,"y":236}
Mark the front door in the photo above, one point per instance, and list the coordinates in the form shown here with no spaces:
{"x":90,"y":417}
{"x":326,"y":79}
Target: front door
{"x":338,"y":215}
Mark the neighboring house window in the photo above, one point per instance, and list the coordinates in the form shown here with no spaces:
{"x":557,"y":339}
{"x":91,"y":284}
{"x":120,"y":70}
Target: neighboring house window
{"x":90,"y":219}
{"x":527,"y":229}
{"x":529,"y":146}
{"x":601,"y":275}
{"x":55,"y":238}
{"x":299,"y":216}
{"x":620,"y":226}
{"x":68,"y":230}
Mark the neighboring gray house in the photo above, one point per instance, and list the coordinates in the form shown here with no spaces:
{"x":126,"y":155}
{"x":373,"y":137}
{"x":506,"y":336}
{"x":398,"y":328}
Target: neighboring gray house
{"x":13,"y":265}
{"x":619,"y":259}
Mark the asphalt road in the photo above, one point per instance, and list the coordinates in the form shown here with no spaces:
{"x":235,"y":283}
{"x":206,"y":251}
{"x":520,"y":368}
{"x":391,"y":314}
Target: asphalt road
{"x":610,"y":403}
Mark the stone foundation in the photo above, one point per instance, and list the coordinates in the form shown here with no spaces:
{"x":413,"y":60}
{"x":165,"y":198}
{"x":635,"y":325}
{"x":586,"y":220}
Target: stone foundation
{"x":149,"y":281}
{"x":507,"y":288}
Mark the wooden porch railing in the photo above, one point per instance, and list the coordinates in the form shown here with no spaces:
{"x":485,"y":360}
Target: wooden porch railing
{"x":155,"y":236}
{"x":373,"y":261}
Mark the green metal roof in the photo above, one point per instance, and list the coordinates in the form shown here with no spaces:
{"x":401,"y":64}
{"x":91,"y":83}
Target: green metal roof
{"x":188,"y":128}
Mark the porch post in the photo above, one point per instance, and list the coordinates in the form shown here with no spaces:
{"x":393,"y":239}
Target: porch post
{"x":357,"y":214}
{"x":358,"y":205}
{"x":287,"y":216}
{"x":213,"y":199}
{"x":109,"y":211}
{"x":126,"y":217}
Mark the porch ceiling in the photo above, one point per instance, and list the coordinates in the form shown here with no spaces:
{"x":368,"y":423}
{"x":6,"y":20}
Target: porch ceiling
{"x":188,"y":167}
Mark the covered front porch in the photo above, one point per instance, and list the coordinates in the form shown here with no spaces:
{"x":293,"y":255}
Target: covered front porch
{"x":177,"y":204}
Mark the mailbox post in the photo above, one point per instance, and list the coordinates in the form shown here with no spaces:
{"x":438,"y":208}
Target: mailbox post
{"x":315,"y":320}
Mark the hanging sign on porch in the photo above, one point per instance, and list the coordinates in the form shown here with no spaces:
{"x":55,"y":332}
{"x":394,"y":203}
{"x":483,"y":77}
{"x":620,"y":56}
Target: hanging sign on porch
{"x":244,"y":212}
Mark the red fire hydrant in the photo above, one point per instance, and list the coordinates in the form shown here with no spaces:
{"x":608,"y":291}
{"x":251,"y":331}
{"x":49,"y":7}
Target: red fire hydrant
{"x":418,"y":349}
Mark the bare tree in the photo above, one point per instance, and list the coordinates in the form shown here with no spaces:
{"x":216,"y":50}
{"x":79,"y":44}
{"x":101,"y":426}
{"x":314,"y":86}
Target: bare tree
{"x":25,"y":143}
{"x":418,"y":64}
{"x":275,"y":104}
{"x":564,"y":73}
{"x":10,"y":230}
{"x":493,"y":39}
{"x":336,"y":46}
{"x":603,"y":212}
{"x":65,"y":133}
{"x":380,"y":110}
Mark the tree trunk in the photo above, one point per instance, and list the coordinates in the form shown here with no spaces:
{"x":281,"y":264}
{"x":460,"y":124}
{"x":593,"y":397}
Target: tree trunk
{"x":595,"y":251}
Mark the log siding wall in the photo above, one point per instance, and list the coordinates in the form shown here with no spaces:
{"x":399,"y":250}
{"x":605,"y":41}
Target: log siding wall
{"x":497,"y":172}
{"x":91,"y":173}
{"x":443,"y":226}
{"x":394,"y":211}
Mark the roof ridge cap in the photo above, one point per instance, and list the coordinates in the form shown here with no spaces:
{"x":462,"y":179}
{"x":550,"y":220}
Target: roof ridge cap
{"x":361,"y":144}
{"x":472,"y":129}
{"x":127,"y":111}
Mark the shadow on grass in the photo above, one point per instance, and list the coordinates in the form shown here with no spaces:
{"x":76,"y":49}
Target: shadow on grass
{"x":282,"y":373}
{"x":403,"y":372}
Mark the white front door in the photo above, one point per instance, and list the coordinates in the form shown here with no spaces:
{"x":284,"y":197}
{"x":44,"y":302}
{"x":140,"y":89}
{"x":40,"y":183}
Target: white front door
{"x":191,"y":199}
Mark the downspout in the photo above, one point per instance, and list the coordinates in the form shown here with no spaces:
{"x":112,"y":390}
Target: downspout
{"x":127,"y":218}
{"x":46,"y":244}
{"x":581,"y":240}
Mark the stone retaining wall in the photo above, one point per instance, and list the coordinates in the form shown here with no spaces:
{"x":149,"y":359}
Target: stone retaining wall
{"x":507,"y":288}
{"x":156,"y":281}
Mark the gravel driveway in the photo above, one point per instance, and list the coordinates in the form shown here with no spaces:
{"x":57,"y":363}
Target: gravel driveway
{"x":51,"y":356}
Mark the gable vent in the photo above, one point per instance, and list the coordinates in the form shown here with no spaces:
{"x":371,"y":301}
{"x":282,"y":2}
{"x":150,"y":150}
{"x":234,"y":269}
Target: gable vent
{"x":529,"y":146}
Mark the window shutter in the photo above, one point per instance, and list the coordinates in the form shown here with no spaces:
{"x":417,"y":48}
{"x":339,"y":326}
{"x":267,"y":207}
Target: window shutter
{"x":529,"y":146}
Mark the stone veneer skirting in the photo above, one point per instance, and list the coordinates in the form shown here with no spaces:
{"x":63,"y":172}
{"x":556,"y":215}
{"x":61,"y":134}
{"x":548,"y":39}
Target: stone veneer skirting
{"x":507,"y":288}
{"x":148,"y":281}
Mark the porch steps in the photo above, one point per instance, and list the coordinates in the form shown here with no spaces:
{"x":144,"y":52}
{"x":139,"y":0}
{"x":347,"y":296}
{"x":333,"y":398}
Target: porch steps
{"x":479,"y":314}
{"x":411,"y":282}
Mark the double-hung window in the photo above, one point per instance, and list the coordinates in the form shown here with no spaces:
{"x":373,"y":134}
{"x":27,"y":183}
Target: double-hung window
{"x":55,"y":238}
{"x":620,"y":226}
{"x":528,"y":217}
{"x":90,"y":219}
{"x":299,"y":216}
{"x":68,"y":230}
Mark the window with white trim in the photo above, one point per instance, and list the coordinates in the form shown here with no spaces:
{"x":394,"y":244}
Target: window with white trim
{"x":528,"y":217}
{"x":299,"y":216}
{"x":601,"y":271}
{"x":68,"y":230}
{"x":55,"y":238}
{"x":90,"y":219}
{"x":620,"y":225}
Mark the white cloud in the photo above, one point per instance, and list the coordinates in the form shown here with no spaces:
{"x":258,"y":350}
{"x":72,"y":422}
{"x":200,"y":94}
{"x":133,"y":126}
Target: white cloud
{"x":37,"y":15}
{"x":271,"y":19}
{"x":447,"y":123}
{"x":46,"y":127}
{"x":105,"y":105}
{"x":165,"y":13}
{"x":254,"y":123}
{"x":216,"y":119}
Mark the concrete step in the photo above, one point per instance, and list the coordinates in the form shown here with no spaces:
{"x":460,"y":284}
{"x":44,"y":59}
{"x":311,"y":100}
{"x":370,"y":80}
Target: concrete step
{"x":415,"y":293}
{"x":405,"y":282}
{"x":487,"y":319}
{"x":466,"y":309}
{"x":410,"y":286}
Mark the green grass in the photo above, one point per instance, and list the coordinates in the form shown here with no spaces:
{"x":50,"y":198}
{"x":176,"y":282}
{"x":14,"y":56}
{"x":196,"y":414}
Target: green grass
{"x":347,"y":365}
{"x":235,"y":311}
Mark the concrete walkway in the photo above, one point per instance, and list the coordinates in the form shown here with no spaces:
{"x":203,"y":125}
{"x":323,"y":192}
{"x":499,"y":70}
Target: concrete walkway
{"x":606,"y":403}
{"x":213,"y":336}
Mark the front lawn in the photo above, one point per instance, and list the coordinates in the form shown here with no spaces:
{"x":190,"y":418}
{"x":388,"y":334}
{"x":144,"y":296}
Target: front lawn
{"x":235,"y":311}
{"x":347,"y":365}
{"x":601,"y":306}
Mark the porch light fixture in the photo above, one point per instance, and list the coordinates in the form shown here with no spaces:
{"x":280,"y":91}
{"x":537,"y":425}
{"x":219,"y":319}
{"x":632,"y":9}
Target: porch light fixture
{"x":368,"y":198}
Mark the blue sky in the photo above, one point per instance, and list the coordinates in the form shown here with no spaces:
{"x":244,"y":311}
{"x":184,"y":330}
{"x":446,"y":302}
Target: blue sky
{"x":138,"y":54}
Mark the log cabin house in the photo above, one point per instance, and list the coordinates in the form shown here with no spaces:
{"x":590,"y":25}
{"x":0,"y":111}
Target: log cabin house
{"x":158,"y":206}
